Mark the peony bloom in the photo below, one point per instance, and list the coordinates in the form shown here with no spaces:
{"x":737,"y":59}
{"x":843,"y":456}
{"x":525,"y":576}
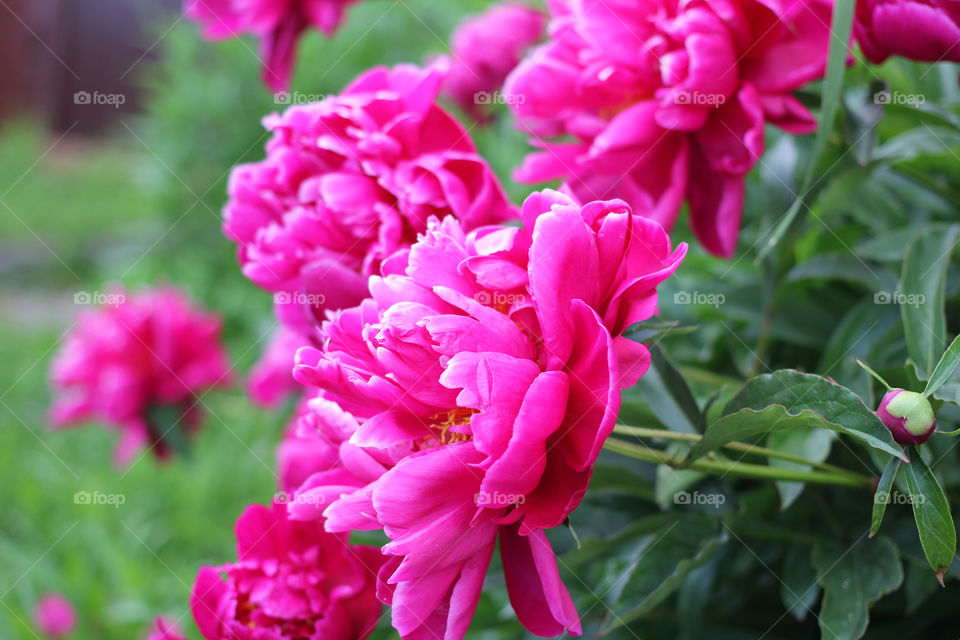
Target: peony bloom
{"x":164,"y":629}
{"x":132,"y":363}
{"x":660,"y":102}
{"x":290,"y":580}
{"x":348,"y":182}
{"x":271,"y":379}
{"x":54,"y":616}
{"x":924,"y":30}
{"x":485,"y":48}
{"x":470,"y":396}
{"x":278,"y":24}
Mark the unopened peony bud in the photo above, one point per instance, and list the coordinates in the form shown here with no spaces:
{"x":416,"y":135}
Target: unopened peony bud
{"x":908,"y":415}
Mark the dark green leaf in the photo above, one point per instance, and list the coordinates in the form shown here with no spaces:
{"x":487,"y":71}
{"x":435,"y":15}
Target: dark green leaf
{"x":843,"y":266}
{"x":799,"y":590}
{"x":922,"y":289}
{"x":814,"y":445}
{"x":668,"y":395}
{"x":789,"y":399}
{"x":932,"y":513}
{"x":852,"y":580}
{"x":882,"y":495}
{"x":945,"y":368}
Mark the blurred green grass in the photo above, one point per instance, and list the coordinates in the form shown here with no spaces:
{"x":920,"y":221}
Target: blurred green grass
{"x":142,"y":206}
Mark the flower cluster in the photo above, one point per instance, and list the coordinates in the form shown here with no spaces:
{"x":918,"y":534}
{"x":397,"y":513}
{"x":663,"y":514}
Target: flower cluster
{"x":278,"y":24}
{"x":470,"y":395}
{"x":660,"y":102}
{"x":152,"y":353}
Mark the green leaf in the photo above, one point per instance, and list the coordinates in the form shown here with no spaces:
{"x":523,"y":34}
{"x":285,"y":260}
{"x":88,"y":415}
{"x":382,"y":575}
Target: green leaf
{"x":924,"y":278}
{"x":830,"y":95}
{"x":670,"y":481}
{"x":843,"y":266}
{"x":799,"y":590}
{"x":852,"y":580}
{"x":668,"y":395}
{"x":919,"y":584}
{"x":814,"y":445}
{"x":932,"y":513}
{"x":945,"y":368}
{"x":638,"y":568}
{"x":789,"y":399}
{"x":882,"y":495}
{"x":654,"y":331}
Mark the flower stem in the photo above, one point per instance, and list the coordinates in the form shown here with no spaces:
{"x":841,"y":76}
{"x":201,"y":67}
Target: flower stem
{"x":736,"y":446}
{"x":740,"y":469}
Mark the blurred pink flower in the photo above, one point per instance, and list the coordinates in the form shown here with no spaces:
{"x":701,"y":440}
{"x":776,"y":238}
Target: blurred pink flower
{"x":271,"y":379}
{"x":485,"y":48}
{"x":924,"y":30}
{"x":290,"y":580}
{"x":278,"y":24}
{"x":471,"y":395}
{"x":660,"y":101}
{"x":165,"y":629}
{"x":54,"y":616}
{"x":346,"y":183}
{"x":128,"y":359}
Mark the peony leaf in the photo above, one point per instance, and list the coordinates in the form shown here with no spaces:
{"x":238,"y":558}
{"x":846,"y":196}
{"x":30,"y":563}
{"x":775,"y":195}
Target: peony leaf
{"x":945,"y":368}
{"x":938,"y":536}
{"x":882,"y":495}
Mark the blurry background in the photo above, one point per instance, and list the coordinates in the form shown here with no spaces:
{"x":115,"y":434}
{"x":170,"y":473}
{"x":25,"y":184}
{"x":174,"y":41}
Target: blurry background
{"x":130,"y":191}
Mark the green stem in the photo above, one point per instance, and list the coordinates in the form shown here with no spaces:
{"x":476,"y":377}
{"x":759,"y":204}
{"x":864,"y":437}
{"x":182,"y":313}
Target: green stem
{"x":740,"y":469}
{"x":736,"y":446}
{"x":708,"y":377}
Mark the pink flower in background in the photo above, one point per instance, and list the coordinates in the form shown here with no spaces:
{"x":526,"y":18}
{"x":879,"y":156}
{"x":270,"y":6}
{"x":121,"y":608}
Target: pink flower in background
{"x":485,"y":48}
{"x":660,"y":102}
{"x":290,"y":580}
{"x":271,"y":379}
{"x":164,"y":629}
{"x":278,"y":24}
{"x":924,"y":30}
{"x":54,"y":616}
{"x":476,"y":388}
{"x":346,"y":183}
{"x":138,"y":355}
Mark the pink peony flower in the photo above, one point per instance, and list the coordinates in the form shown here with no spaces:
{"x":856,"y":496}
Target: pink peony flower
{"x":54,"y":616}
{"x":348,"y":182}
{"x":485,"y":48}
{"x":124,"y":363}
{"x":469,"y":397}
{"x":278,"y":24}
{"x":661,"y":101}
{"x":925,"y":30}
{"x":271,"y":379}
{"x":165,"y":629}
{"x":291,"y":580}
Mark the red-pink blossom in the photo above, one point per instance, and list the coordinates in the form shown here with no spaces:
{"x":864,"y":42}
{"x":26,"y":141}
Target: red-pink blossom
{"x":278,"y":24}
{"x":485,"y":48}
{"x":165,"y":629}
{"x":347,"y":182}
{"x":290,"y":580}
{"x":138,"y":355}
{"x":54,"y":616}
{"x":664,"y":101}
{"x":470,"y":395}
{"x":924,"y":30}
